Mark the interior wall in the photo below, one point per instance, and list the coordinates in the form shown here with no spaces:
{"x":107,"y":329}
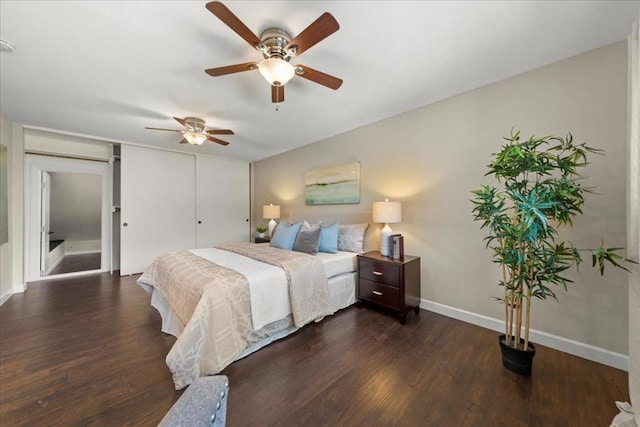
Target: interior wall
{"x":11,"y":253}
{"x":44,"y":142}
{"x":76,"y":206}
{"x":431,"y":158}
{"x":633,"y":218}
{"x":5,"y":248}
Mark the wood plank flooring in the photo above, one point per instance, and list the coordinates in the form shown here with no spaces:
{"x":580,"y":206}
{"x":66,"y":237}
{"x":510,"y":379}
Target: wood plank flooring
{"x":78,"y":262}
{"x":88,"y":351}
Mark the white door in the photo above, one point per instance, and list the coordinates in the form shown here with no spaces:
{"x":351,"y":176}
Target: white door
{"x":223,"y":201}
{"x":45,"y":218}
{"x":158,"y":205}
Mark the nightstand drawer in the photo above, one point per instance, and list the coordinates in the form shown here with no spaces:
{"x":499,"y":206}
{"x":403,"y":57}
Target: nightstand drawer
{"x":379,"y":272}
{"x":380,"y":294}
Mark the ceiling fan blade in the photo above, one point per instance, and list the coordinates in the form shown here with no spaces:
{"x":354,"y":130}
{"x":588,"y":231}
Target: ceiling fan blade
{"x":319,"y":30}
{"x":184,"y":141}
{"x":170,"y":130}
{"x":219,"y":141}
{"x":220,"y":132}
{"x":183,"y":122}
{"x":318,"y":77}
{"x":230,"y":69}
{"x":277,"y":94}
{"x":225,"y":15}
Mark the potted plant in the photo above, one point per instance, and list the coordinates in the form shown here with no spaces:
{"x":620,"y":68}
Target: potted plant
{"x":261,"y":230}
{"x":539,"y":192}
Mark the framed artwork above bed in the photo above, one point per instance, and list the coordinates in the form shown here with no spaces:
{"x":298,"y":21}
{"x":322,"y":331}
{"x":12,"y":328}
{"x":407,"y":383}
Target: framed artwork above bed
{"x":333,"y":185}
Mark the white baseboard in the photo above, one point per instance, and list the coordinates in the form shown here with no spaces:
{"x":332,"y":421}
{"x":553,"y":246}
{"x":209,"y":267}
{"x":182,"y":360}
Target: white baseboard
{"x":586,"y":351}
{"x":54,"y":265}
{"x":74,"y":274}
{"x":83,"y":252}
{"x":5,"y":296}
{"x":13,"y":290}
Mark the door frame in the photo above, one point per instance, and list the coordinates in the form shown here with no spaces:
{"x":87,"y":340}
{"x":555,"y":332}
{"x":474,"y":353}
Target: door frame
{"x":34,"y":165}
{"x":45,"y":220}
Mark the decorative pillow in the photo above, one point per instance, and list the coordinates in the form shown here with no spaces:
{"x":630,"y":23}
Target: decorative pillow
{"x":307,"y":226}
{"x":277,"y":224}
{"x":308,"y":239}
{"x":329,"y":238}
{"x":284,"y":235}
{"x":351,"y":237}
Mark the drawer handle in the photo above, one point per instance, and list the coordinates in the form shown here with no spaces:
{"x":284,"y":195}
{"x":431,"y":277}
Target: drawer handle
{"x":377,"y":273}
{"x":377,"y":293}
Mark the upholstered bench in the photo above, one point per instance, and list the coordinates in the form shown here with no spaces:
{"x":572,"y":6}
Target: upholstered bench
{"x":204,"y":403}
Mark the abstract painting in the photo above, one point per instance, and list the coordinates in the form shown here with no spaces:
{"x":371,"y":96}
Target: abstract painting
{"x":333,"y":185}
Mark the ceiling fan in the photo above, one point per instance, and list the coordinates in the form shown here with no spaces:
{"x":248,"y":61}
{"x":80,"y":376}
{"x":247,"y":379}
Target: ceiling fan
{"x":278,"y":47}
{"x":195,"y":133}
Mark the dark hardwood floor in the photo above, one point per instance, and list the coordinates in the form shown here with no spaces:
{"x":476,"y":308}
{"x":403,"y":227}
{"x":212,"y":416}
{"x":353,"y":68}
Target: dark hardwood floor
{"x":78,"y":262}
{"x":88,"y":351}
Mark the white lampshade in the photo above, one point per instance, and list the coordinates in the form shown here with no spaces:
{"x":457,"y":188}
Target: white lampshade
{"x":271,"y":211}
{"x":276,"y":71}
{"x":387,"y":212}
{"x":195,"y":138}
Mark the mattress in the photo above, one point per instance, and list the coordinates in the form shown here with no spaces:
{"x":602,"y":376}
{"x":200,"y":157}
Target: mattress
{"x":338,"y":263}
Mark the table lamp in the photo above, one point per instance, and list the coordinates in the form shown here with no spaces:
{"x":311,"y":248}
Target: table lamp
{"x":388,"y":213}
{"x":271,"y":212}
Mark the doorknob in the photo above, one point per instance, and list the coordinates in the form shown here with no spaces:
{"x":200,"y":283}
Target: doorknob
{"x":125,"y":224}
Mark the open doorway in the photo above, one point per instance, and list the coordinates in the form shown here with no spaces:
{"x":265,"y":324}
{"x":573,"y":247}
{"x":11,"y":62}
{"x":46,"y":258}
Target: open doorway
{"x":72,"y":217}
{"x":67,"y":216}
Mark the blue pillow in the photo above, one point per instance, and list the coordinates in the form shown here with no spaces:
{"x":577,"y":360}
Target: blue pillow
{"x":285,"y":235}
{"x":329,"y":238}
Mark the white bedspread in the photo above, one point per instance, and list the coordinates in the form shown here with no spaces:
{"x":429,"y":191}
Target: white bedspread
{"x":268,"y":286}
{"x":338,"y":263}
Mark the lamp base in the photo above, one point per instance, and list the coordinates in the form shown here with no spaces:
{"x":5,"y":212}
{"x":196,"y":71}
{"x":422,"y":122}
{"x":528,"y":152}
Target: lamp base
{"x":385,"y":246}
{"x":272,"y":225}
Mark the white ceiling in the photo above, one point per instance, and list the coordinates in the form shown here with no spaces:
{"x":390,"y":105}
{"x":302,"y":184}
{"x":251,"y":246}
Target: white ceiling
{"x":108,"y":69}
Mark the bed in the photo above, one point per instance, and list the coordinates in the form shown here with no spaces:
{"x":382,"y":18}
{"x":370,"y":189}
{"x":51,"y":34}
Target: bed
{"x":204,"y":297}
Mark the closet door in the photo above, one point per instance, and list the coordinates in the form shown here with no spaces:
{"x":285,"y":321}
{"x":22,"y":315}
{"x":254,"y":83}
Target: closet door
{"x":158,"y":205}
{"x":223,"y":201}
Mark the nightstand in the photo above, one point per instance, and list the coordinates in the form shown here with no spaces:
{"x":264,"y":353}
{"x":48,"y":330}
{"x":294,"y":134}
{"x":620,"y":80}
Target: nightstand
{"x":262,"y":239}
{"x":390,"y":283}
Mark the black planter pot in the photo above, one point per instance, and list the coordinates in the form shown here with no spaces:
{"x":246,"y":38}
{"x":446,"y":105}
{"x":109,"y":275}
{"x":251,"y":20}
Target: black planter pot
{"x":515,"y":360}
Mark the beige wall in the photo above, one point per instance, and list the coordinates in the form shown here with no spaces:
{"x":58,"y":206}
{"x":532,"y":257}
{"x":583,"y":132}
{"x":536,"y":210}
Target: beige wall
{"x":11,"y":253}
{"x":76,"y":206}
{"x":431,"y":158}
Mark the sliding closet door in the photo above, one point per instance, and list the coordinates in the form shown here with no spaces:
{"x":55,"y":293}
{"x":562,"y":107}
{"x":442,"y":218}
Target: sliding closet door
{"x":158,"y":205}
{"x":223,"y":201}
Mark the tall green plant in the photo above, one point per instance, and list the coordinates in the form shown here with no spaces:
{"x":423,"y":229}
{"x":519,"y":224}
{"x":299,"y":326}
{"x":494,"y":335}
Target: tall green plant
{"x":540,"y":192}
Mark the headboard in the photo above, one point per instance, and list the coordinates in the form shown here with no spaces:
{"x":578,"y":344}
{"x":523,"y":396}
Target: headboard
{"x":371,"y":236}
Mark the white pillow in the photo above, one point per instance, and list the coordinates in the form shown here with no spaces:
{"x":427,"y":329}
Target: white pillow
{"x":351,"y":237}
{"x":309,"y":227}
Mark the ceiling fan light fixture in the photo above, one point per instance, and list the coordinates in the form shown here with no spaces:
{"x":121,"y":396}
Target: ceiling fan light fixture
{"x":195,"y":138}
{"x":276,"y":71}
